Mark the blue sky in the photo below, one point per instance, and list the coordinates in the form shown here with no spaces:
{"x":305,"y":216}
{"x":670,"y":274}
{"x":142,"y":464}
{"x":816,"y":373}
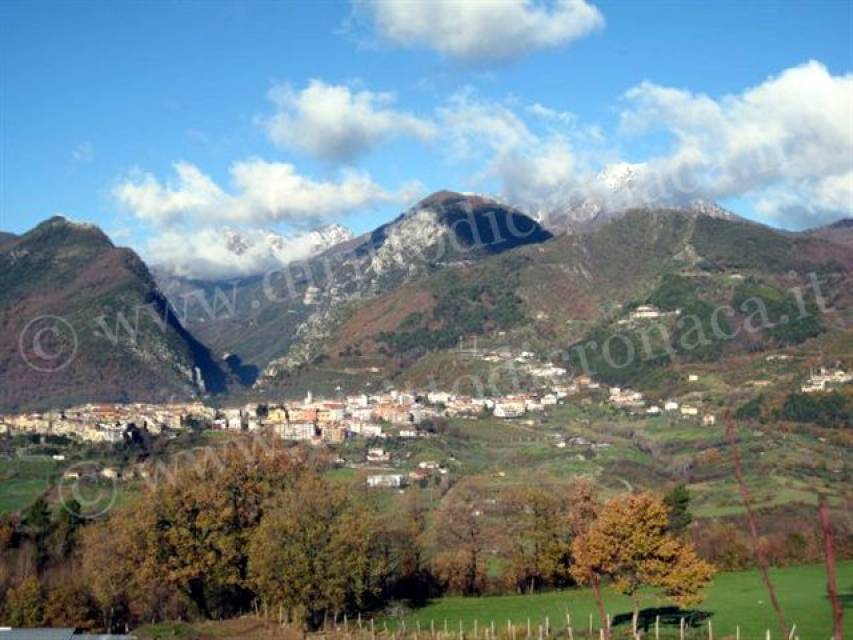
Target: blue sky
{"x":96,"y":95}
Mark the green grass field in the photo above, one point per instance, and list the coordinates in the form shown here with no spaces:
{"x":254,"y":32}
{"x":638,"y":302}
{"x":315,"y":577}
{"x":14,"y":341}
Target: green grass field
{"x":733,"y":599}
{"x":22,"y":480}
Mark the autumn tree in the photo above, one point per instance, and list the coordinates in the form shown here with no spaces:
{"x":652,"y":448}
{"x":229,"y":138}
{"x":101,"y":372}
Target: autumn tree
{"x":69,"y":604}
{"x":25,"y":604}
{"x":8,"y":532}
{"x":585,"y":568}
{"x":629,"y":543}
{"x":456,"y":574}
{"x":183,"y":547}
{"x":316,"y":552}
{"x":461,"y":533}
{"x":404,"y":553}
{"x":542,"y":538}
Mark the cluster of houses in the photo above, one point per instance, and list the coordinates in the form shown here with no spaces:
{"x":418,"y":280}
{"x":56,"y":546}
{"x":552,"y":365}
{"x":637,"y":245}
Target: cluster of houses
{"x":823,"y":379}
{"x":395,"y":480}
{"x":524,"y":362}
{"x":634,"y":402}
{"x":107,"y":423}
{"x":398,"y":413}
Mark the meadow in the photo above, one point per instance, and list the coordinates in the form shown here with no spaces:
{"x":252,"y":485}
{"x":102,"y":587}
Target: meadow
{"x":24,"y":479}
{"x":736,"y":598}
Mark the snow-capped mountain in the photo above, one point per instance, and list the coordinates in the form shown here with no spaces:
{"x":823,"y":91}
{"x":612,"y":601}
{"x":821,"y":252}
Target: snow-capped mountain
{"x":614,"y":190}
{"x":212,"y":253}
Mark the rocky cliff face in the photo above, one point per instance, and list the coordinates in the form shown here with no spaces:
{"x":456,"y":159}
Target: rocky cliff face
{"x":447,"y":228}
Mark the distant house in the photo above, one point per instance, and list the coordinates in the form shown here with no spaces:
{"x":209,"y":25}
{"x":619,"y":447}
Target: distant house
{"x":378,"y":455}
{"x":509,"y":409}
{"x":366,"y":430}
{"x":820,"y":380}
{"x":386,"y":480}
{"x":439,"y":397}
{"x":645,"y":312}
{"x":297,"y":431}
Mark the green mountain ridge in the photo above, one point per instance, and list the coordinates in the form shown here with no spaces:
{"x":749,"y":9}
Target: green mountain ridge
{"x":83,"y":321}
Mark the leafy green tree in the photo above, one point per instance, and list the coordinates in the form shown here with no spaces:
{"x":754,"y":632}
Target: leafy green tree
{"x":678,"y":503}
{"x":750,"y":410}
{"x":37,"y":524}
{"x":827,"y":410}
{"x":63,"y":536}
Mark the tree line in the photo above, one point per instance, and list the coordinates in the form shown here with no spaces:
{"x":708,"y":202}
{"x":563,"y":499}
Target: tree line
{"x":231,"y":534}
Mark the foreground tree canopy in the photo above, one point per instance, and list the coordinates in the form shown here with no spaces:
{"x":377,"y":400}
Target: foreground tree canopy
{"x":629,"y":543}
{"x":241,"y":530}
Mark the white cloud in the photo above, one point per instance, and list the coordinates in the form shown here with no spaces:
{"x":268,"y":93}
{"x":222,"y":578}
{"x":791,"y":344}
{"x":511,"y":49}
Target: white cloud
{"x":785,"y":146}
{"x":786,"y":143}
{"x":263,"y":192}
{"x":475,"y":126}
{"x":150,"y":200}
{"x":535,"y":177}
{"x":216,"y":253}
{"x":483,"y":31}
{"x":533,"y":168}
{"x":335,"y":123}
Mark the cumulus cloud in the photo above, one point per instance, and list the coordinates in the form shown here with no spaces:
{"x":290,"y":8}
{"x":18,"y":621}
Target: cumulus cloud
{"x":785,"y":143}
{"x":218,"y":253}
{"x":485,"y":31}
{"x":335,"y":123}
{"x":262,"y":192}
{"x":531,"y":166}
{"x":784,"y":146}
{"x":474,"y":126}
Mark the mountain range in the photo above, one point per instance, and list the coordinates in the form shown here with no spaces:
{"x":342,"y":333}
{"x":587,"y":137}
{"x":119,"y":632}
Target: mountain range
{"x":385,"y":305}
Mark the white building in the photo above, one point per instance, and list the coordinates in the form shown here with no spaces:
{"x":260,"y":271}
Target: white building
{"x":509,"y":409}
{"x":378,"y":455}
{"x":386,"y":480}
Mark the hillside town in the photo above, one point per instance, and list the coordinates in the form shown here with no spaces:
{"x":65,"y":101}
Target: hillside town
{"x":398,"y":413}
